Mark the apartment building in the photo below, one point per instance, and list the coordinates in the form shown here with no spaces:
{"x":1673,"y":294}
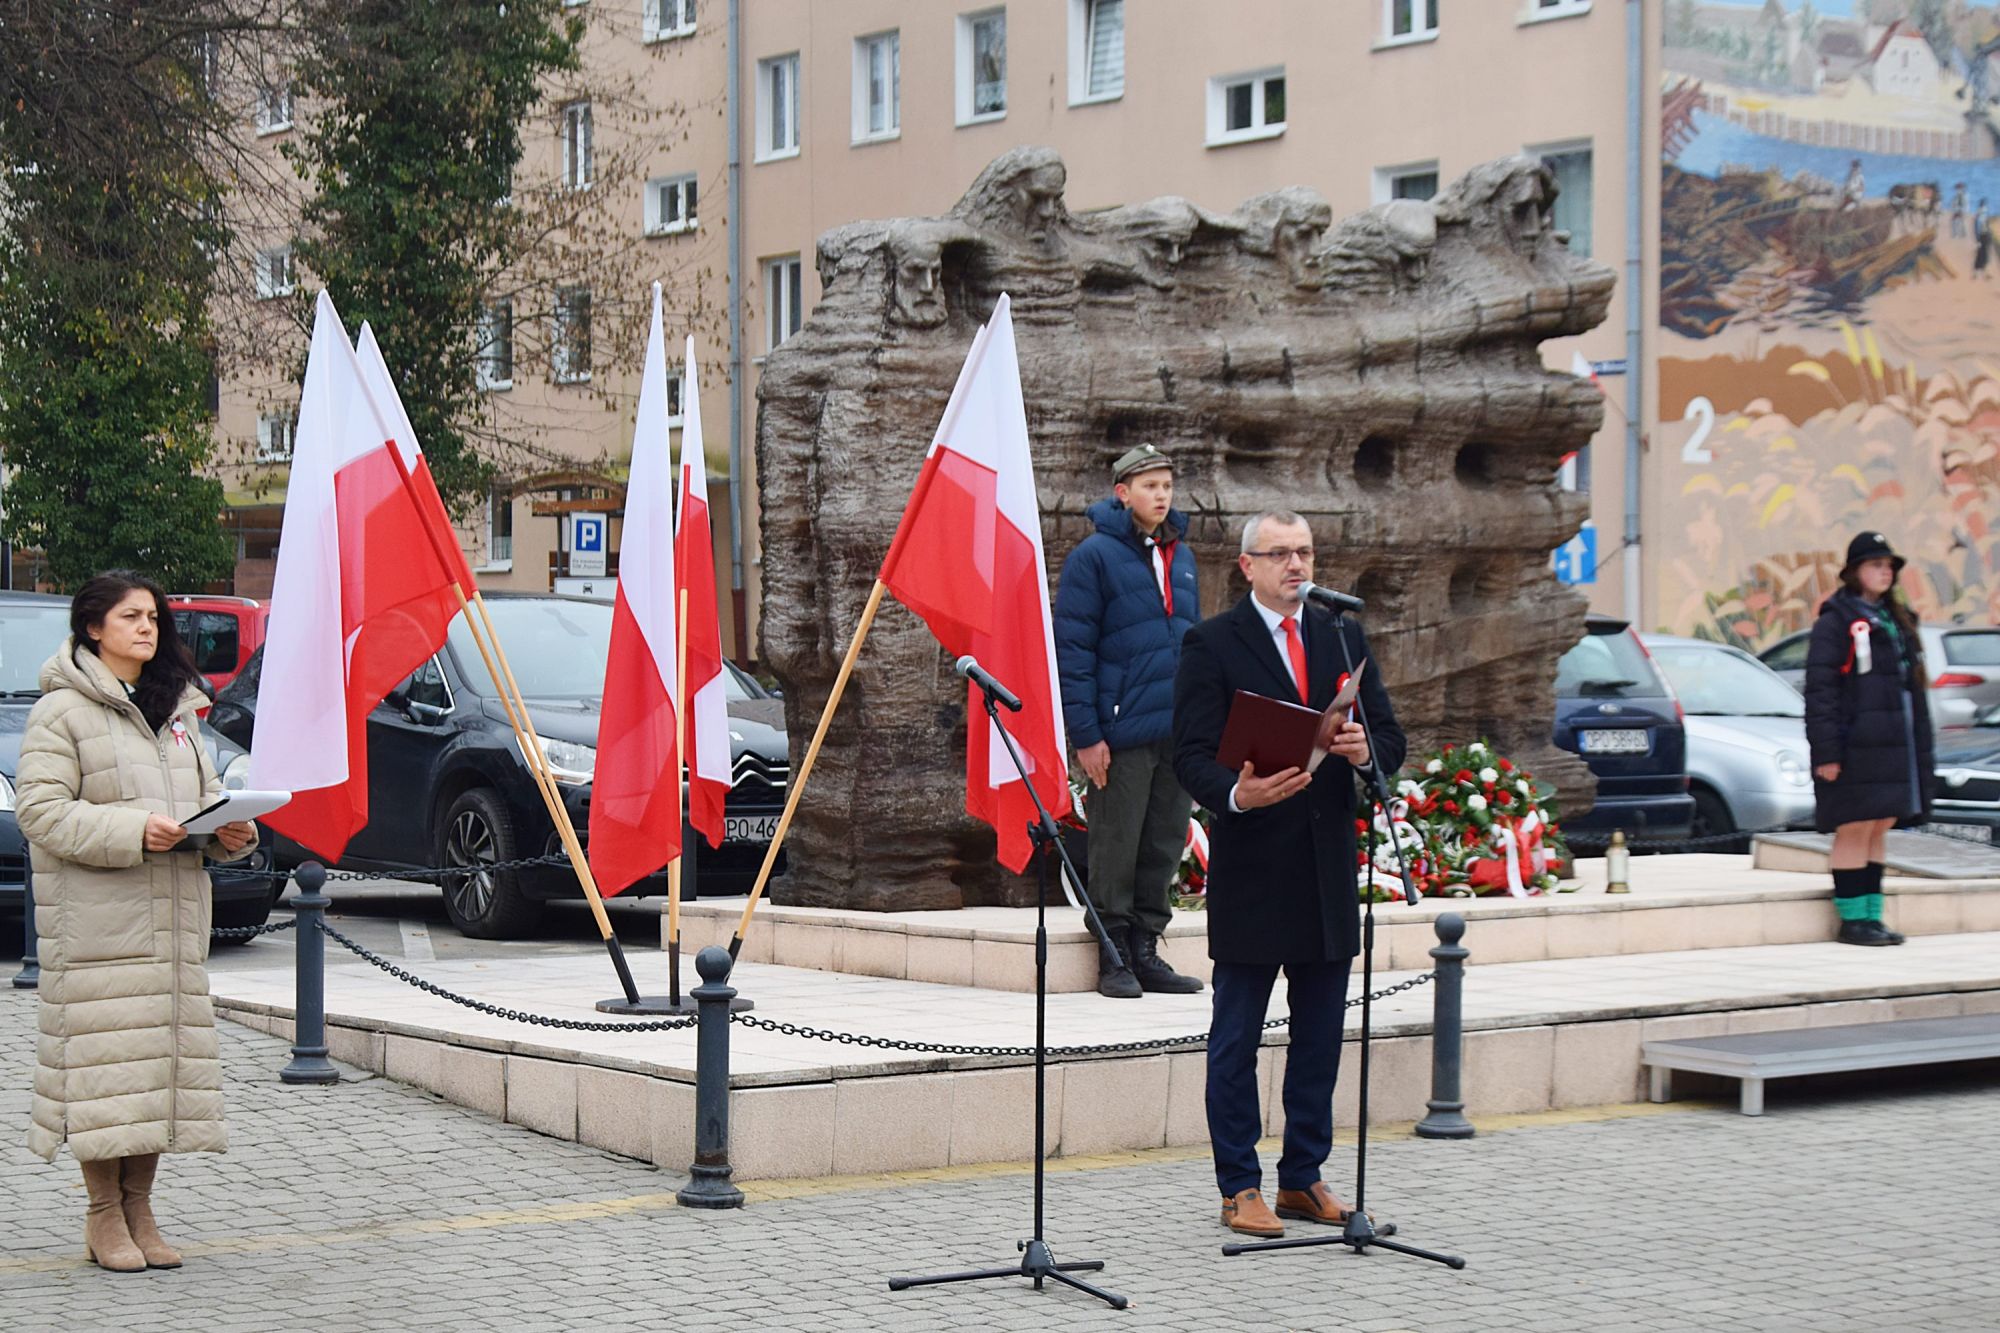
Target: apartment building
{"x":848,"y":109}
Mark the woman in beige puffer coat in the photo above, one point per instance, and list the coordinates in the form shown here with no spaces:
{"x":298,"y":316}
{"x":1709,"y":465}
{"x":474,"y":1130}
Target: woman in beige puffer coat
{"x":127,"y":1064}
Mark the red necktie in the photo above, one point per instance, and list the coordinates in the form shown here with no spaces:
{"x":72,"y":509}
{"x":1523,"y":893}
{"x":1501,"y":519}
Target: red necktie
{"x":1297,"y":648}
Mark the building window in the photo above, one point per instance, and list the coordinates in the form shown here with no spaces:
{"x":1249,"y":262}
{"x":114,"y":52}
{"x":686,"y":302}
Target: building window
{"x":496,"y":345}
{"x":274,"y":108}
{"x":668,"y":18}
{"x":578,"y":162}
{"x":1409,"y":20}
{"x":274,"y":436}
{"x":569,"y":349}
{"x":783,"y":300}
{"x":274,"y":273}
{"x":1571,"y":165}
{"x":208,"y":63}
{"x":676,"y":414}
{"x":499,"y":525}
{"x":1414,"y":180}
{"x":982,"y":66}
{"x":778,"y":107}
{"x":670,"y":205}
{"x":878,"y":86}
{"x":1246,"y":106}
{"x":1556,"y":9}
{"x":1096,"y":50}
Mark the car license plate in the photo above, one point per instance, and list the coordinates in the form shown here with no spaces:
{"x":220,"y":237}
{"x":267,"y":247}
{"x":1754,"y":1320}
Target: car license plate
{"x":1611,"y":740}
{"x":749,"y":828}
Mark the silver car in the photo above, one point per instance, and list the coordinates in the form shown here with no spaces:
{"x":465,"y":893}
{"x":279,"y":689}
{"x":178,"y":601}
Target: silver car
{"x":1748,"y":765}
{"x":1964,"y":662}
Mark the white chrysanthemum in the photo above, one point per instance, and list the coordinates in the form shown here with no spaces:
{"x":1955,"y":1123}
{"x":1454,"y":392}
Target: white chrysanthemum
{"x":1475,"y":748}
{"x":1488,"y":775}
{"x":1521,"y":784}
{"x":1434,"y":766}
{"x":1475,"y":802}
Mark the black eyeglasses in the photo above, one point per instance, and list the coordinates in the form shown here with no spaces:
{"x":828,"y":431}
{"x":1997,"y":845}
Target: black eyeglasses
{"x":1284,"y":555}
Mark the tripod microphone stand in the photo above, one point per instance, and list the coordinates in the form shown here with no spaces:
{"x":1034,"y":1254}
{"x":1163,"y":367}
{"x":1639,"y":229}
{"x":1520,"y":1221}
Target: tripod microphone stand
{"x":1037,"y":1261}
{"x":1359,"y":1233}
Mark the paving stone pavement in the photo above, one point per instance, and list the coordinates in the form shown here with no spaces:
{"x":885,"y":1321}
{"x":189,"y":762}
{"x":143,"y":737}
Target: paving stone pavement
{"x":374,"y":1206}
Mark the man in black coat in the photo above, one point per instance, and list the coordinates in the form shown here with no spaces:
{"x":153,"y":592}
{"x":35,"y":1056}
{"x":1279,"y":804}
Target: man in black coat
{"x":1281,"y":882}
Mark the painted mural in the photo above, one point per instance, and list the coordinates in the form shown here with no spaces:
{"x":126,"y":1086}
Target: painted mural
{"x":1829,"y":356}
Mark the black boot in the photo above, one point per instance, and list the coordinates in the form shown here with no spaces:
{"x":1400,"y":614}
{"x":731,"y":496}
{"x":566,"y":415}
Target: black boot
{"x":1869,"y":933}
{"x":1152,"y":970}
{"x":1114,"y":978}
{"x":1875,"y":869}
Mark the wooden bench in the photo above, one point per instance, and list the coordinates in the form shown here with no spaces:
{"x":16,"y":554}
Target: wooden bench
{"x":1754,"y":1057}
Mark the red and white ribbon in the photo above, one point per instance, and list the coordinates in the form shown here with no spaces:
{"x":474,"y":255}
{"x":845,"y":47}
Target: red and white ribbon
{"x":1863,"y":656}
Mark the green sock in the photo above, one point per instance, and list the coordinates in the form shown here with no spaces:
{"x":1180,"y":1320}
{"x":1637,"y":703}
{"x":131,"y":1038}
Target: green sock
{"x":1874,"y":903}
{"x":1854,"y":908}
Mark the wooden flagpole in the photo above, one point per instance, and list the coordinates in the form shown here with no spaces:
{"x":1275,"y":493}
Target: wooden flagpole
{"x":681,"y":759}
{"x":797,"y":785}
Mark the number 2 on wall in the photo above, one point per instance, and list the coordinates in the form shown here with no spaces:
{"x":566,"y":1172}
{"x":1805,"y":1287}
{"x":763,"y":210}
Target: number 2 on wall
{"x":1702,"y":413}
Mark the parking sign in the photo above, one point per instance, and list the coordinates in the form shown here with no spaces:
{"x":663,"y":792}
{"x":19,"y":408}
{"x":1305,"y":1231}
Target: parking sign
{"x":588,"y":537}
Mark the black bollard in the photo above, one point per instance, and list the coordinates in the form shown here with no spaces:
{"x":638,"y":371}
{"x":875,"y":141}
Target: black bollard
{"x":708,"y":1184}
{"x":30,"y":975}
{"x":1447,"y":1105}
{"x":309,"y":1063}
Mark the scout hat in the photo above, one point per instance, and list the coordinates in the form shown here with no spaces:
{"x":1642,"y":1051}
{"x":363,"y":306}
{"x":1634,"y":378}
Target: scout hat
{"x":1870,"y":546}
{"x":1145,"y":458}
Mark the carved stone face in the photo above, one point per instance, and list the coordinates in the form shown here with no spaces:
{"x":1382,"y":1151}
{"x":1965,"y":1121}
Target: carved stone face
{"x":919,"y":287}
{"x":1038,"y":198}
{"x":1297,"y":247}
{"x":1530,"y":212}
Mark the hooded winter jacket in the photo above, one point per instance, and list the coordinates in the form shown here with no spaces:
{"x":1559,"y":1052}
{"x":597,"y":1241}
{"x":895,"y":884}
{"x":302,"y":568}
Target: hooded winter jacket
{"x":1867,"y":709}
{"x":1117,"y":646}
{"x":127,"y":1061}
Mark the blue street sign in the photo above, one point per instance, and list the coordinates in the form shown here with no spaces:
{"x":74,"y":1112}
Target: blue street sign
{"x":1603,"y":368}
{"x":586,"y":533}
{"x":1576,"y":559}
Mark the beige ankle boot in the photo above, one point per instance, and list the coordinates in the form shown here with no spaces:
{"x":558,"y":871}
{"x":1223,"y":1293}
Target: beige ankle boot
{"x":106,"y":1242}
{"x":138,"y":1189}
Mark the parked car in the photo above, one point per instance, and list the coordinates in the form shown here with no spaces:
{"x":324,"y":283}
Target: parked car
{"x":32,"y":626}
{"x":1614,"y":708}
{"x":448,"y":786}
{"x":222,"y":632}
{"x":1964,"y":662}
{"x":1748,"y":763}
{"x":1968,"y":775}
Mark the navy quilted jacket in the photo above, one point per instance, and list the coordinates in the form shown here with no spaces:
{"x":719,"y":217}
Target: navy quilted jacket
{"x":1116,"y":647}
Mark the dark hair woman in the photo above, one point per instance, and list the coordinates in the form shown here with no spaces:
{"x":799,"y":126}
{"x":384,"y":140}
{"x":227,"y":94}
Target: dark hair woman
{"x":128,"y":1066}
{"x":1869,"y":727}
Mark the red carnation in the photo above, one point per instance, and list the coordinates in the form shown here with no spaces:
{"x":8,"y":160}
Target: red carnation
{"x":1503,"y":798}
{"x":1451,"y":807}
{"x":1463,"y":775}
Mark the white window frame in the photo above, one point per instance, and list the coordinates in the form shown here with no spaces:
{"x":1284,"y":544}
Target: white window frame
{"x":489,"y":331}
{"x":279,"y":280}
{"x":1546,"y":11}
{"x":786,"y":146}
{"x":1558,"y":149}
{"x":1383,"y":187}
{"x":676,"y":400}
{"x":1080,"y":53}
{"x":277,"y":433}
{"x":864,"y":86}
{"x":274,"y":108}
{"x":1219,"y":135}
{"x":1418,"y":32}
{"x":499,"y":546}
{"x":784,"y":297}
{"x":967,"y":26}
{"x":562,"y":351}
{"x":684,"y":187}
{"x":208,"y":51}
{"x":654,"y":25}
{"x":579,"y":155}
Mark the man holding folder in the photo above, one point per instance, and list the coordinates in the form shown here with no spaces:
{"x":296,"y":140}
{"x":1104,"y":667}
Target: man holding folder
{"x":1281,"y":883}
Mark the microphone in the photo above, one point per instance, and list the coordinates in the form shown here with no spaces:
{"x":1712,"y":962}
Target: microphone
{"x":1327,"y":597}
{"x":968,"y":667}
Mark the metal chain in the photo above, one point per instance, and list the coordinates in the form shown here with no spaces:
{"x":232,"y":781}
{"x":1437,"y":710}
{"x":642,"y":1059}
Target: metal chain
{"x":252,"y":932}
{"x":513,"y":1015}
{"x":440,"y":872}
{"x":1102,"y":1048}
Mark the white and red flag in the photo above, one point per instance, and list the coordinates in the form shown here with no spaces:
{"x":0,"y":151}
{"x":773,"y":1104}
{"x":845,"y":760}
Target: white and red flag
{"x":635,"y":796}
{"x":362,"y":593}
{"x":708,"y":751}
{"x":968,"y":559}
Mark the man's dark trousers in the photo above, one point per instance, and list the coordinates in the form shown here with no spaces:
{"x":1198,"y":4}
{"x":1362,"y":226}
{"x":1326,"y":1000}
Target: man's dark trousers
{"x":1316,"y":994}
{"x":1138,"y":830}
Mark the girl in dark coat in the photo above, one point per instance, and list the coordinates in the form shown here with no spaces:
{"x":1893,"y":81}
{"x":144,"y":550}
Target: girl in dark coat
{"x":1868,"y":724}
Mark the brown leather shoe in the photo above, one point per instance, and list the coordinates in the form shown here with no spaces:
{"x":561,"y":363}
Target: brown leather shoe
{"x":1248,"y":1213}
{"x":1318,"y":1204}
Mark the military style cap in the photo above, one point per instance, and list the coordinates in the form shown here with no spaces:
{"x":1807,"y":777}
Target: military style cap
{"x":1145,"y":458}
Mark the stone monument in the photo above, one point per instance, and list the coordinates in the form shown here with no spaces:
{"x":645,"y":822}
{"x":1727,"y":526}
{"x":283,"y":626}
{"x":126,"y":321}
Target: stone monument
{"x":1381,"y":376}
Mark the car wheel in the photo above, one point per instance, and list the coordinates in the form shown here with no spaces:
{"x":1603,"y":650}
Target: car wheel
{"x":1712,"y":817}
{"x":241,"y":916}
{"x":483,"y":903}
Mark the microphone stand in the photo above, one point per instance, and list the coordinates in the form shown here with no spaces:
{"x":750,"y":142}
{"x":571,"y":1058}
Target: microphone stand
{"x":1359,"y":1233}
{"x":1037,"y":1260}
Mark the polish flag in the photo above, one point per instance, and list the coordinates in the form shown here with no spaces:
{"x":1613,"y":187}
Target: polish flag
{"x":968,"y":559}
{"x":694,"y":561}
{"x":1580,"y":366}
{"x":362,"y":595}
{"x":635,"y":796}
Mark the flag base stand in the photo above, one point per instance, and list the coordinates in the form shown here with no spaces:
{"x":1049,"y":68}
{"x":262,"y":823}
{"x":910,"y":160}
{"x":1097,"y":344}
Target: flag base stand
{"x":665,"y":1004}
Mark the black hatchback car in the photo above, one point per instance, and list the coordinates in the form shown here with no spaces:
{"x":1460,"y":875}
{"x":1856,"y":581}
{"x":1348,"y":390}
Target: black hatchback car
{"x":448,"y":785}
{"x":1616,"y":710}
